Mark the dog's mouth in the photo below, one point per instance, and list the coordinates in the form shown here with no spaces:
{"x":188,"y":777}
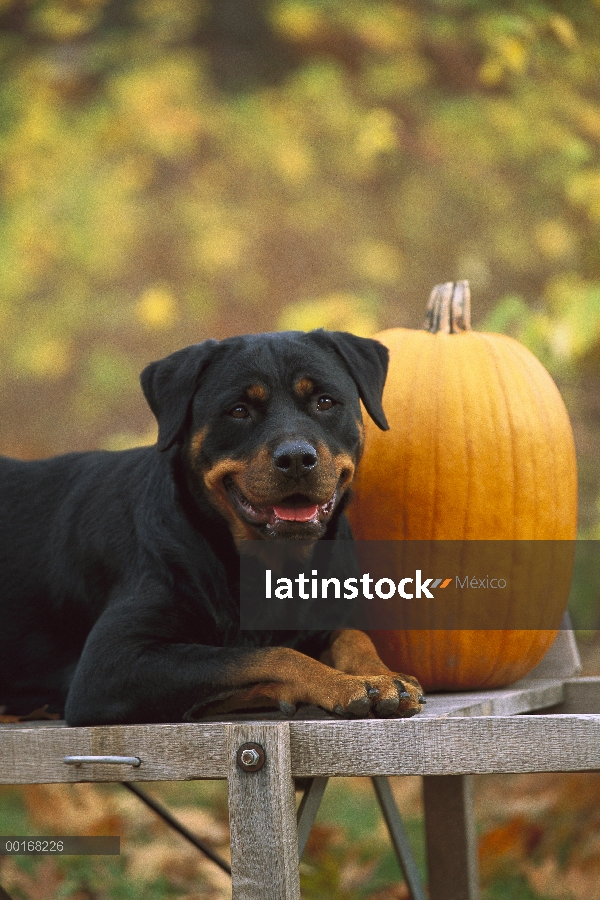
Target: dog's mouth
{"x":296,"y":511}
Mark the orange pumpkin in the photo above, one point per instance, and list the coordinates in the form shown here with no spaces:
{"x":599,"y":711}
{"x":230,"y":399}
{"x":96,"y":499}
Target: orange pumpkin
{"x":480,"y":447}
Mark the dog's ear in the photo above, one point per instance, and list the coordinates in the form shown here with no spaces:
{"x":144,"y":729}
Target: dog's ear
{"x":169,"y":385}
{"x":367,"y":362}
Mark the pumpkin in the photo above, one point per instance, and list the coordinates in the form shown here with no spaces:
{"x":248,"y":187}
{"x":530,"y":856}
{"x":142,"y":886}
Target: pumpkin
{"x":480,"y":447}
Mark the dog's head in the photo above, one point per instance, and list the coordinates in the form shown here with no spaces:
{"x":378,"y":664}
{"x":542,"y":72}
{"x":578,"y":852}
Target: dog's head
{"x":270,"y":425}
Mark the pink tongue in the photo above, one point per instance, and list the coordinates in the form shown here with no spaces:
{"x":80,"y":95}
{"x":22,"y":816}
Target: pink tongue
{"x":295,"y":513}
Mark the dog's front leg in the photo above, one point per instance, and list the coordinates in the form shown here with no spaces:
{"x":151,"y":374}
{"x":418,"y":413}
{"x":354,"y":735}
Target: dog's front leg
{"x":139,"y":665}
{"x":354,"y":653}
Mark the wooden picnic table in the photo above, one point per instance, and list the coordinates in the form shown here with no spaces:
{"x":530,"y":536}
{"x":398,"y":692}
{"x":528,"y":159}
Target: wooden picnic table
{"x":549,"y":721}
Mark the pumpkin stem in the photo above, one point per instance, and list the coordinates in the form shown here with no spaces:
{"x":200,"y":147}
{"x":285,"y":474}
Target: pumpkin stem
{"x":449,"y":308}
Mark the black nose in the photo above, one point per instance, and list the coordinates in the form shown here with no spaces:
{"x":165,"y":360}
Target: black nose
{"x":295,"y":458}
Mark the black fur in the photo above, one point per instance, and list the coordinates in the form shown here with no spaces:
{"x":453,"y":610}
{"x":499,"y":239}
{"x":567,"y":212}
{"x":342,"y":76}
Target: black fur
{"x":119,"y":576}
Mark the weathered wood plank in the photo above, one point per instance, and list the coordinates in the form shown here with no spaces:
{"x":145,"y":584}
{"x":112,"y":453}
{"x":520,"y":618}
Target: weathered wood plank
{"x":167,"y":753}
{"x":450,"y":837}
{"x":582,"y":695}
{"x":422,"y":745}
{"x":524,"y":696}
{"x":262,"y":804}
{"x":447,"y":746}
{"x":562,"y":659}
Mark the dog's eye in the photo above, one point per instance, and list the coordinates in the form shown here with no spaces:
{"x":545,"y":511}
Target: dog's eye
{"x":239,"y":412}
{"x":325,"y":403}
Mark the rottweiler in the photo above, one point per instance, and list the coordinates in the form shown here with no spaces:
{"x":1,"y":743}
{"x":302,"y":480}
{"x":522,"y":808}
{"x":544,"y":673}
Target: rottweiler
{"x":120,"y":570}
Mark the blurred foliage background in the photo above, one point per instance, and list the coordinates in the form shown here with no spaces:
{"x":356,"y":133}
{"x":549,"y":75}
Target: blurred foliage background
{"x":178,"y":169}
{"x":172,"y":170}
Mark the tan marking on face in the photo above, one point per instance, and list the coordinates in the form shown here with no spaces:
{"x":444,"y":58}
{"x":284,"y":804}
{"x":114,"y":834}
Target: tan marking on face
{"x":219,"y":496}
{"x":258,"y":482}
{"x":196,"y":442}
{"x":344,"y":467}
{"x":257,"y":392}
{"x":304,"y":388}
{"x":335,"y":471}
{"x":213,"y":481}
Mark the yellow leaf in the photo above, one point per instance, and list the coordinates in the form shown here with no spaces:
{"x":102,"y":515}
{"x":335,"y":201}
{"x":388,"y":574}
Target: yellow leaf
{"x":294,"y":161}
{"x":297,"y":21}
{"x":378,"y":261}
{"x":491,"y":71}
{"x":221,"y":247}
{"x":336,"y":312}
{"x":44,"y":358}
{"x":553,"y":238}
{"x":157,"y":308}
{"x":564,"y":30}
{"x":378,"y":134}
{"x":513,"y":53}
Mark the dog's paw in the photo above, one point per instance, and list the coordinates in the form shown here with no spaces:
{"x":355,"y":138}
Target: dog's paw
{"x":396,"y":695}
{"x":383,"y":696}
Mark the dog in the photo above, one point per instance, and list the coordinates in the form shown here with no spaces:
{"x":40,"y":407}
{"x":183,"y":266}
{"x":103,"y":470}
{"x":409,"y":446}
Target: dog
{"x":120,"y":570}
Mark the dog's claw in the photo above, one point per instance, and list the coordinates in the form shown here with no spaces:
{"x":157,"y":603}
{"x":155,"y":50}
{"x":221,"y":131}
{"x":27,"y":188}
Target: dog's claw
{"x":359,"y":707}
{"x":387,"y":707}
{"x":404,"y":695}
{"x":421,"y":699}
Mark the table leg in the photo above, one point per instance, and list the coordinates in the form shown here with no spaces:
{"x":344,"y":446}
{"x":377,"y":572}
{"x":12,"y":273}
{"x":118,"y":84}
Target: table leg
{"x":308,"y":809}
{"x":395,"y":825}
{"x":450,"y":837}
{"x":262,"y":816}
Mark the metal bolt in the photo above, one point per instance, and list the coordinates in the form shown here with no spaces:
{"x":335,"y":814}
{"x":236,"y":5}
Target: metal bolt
{"x":251,"y":757}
